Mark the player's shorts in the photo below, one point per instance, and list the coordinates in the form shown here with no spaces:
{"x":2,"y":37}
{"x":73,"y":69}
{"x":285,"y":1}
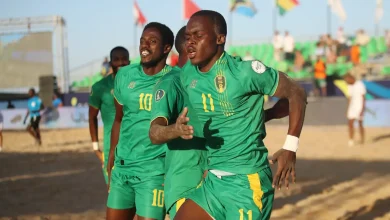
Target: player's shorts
{"x":146,"y":194}
{"x":175,"y":208}
{"x":354,"y":113}
{"x":321,"y":83}
{"x":34,"y":122}
{"x":236,"y":197}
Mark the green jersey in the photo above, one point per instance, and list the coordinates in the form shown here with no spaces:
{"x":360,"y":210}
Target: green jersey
{"x":101,"y":98}
{"x":185,"y":162}
{"x":229,"y":101}
{"x":135,"y":153}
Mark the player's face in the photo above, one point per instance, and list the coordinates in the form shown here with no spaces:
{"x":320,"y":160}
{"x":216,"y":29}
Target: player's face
{"x":201,"y":40}
{"x":118,"y":60}
{"x":151,"y":47}
{"x":30,"y":93}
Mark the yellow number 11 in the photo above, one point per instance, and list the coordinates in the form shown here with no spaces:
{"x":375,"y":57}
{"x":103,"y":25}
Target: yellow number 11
{"x":249,"y":213}
{"x":211,"y":101}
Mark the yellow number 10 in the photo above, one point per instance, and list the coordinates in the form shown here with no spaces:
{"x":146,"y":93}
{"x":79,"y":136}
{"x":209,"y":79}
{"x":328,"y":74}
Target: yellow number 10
{"x":211,"y":101}
{"x":145,"y":101}
{"x":249,"y":213}
{"x":158,"y":198}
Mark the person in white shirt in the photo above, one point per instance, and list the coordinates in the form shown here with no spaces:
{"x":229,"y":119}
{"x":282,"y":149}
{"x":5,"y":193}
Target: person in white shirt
{"x":362,"y":38}
{"x":277,"y":42}
{"x":341,"y":36}
{"x":288,"y":46}
{"x":356,"y":106}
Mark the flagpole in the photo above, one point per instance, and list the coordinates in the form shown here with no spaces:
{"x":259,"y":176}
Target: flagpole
{"x":230,"y":28}
{"x":135,"y":38}
{"x":329,"y":19}
{"x":275,"y":17}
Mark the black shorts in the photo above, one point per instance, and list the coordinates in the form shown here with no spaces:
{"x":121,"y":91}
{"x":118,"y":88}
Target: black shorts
{"x":34,"y":122}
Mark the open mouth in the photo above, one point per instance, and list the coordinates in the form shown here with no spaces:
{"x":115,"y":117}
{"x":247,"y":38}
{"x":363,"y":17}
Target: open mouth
{"x":145,"y":53}
{"x":191,"y":52}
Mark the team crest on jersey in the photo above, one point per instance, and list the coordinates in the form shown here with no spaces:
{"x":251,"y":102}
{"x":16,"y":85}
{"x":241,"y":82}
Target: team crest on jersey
{"x":220,"y":83}
{"x":193,"y":83}
{"x":159,"y":95}
{"x":258,"y":67}
{"x":131,"y":85}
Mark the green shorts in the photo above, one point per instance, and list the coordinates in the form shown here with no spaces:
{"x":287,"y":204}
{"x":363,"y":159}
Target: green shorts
{"x":146,"y":194}
{"x":321,"y":83}
{"x":175,"y":208}
{"x":236,"y":197}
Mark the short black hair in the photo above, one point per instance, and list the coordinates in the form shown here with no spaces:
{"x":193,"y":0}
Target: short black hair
{"x":32,"y":90}
{"x":180,"y":40}
{"x":165,"y":31}
{"x":119,"y":48}
{"x":217,"y":19}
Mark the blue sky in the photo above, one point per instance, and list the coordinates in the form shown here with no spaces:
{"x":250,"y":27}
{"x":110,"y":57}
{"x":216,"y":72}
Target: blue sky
{"x":96,"y":26}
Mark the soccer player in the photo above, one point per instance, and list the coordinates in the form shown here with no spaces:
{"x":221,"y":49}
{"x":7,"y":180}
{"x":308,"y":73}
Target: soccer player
{"x":138,"y":176}
{"x":101,"y":99}
{"x":1,"y":131}
{"x":356,"y":105}
{"x":34,"y":105}
{"x":227,"y":95}
{"x":184,"y":163}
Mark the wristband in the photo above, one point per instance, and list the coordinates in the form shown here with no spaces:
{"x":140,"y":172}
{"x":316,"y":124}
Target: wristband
{"x":291,"y":143}
{"x":95,"y":145}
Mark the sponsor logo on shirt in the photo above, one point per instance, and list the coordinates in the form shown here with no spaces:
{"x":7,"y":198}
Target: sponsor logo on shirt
{"x":131,"y":85}
{"x":220,"y":83}
{"x":193,"y":83}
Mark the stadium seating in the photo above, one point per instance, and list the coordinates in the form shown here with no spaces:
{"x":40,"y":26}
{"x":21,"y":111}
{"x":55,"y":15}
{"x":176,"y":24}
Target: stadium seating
{"x":265,"y":53}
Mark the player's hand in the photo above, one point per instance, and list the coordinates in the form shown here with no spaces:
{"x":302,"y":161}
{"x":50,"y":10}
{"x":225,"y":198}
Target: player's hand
{"x":185,"y":131}
{"x":286,"y":166}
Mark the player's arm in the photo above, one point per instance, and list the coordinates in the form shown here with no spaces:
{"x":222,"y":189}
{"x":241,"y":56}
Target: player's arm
{"x":93,"y":131}
{"x":167,"y":99}
{"x":25,"y":117}
{"x":160,"y":132}
{"x":116,"y":126}
{"x":94,"y":102}
{"x":279,"y":110}
{"x":286,"y":157}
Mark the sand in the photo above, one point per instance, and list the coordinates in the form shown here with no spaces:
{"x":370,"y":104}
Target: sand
{"x":62,"y":179}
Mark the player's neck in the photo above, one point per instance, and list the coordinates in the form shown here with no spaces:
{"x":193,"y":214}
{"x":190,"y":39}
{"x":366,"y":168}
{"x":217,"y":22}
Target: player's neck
{"x":154,"y":69}
{"x":182,"y":60}
{"x":210,"y":63}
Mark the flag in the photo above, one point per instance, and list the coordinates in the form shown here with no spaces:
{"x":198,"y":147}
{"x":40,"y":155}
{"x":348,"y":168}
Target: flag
{"x":379,"y":10}
{"x":189,"y":8}
{"x":244,"y":7}
{"x":139,"y":17}
{"x":338,"y":9}
{"x":286,"y":5}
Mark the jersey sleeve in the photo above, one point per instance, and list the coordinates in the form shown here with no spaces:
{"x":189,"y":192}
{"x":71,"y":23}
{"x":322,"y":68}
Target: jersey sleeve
{"x":260,"y":78}
{"x":117,"y":87}
{"x":94,"y":99}
{"x":166,"y":100}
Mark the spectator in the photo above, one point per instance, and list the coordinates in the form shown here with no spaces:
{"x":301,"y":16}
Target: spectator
{"x":356,"y":106}
{"x":10,"y":105}
{"x":320,"y":76}
{"x":277,"y":42}
{"x":355,"y":54}
{"x":1,"y":132}
{"x":288,"y":47}
{"x":57,"y":102}
{"x":387,"y":39}
{"x":320,"y":50}
{"x":362,"y":38}
{"x":299,"y":61}
{"x":105,"y":67}
{"x":248,"y":56}
{"x":341,"y":36}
